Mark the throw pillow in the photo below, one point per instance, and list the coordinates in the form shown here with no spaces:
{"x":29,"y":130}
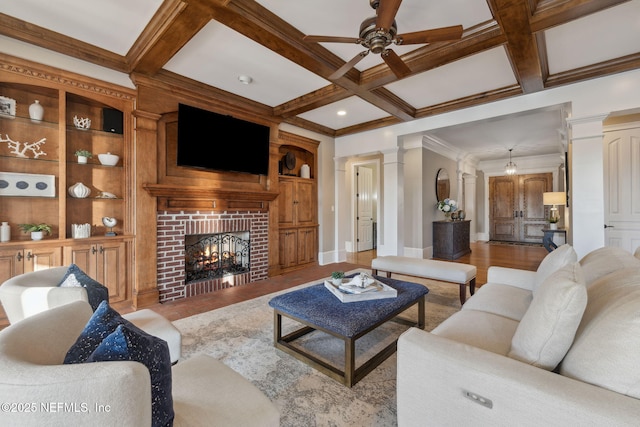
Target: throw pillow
{"x":75,"y":277}
{"x":555,"y":260}
{"x":548,"y":328}
{"x":102,"y":323}
{"x":128,"y":342}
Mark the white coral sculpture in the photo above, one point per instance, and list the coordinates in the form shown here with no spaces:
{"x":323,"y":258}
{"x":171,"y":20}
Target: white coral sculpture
{"x":20,"y":148}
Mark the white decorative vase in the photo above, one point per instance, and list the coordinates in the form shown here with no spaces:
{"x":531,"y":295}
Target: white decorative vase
{"x":79,"y":190}
{"x":553,"y":226}
{"x":37,"y":235}
{"x":82,"y":159}
{"x":36,"y":111}
{"x":5,"y":232}
{"x":305,"y":171}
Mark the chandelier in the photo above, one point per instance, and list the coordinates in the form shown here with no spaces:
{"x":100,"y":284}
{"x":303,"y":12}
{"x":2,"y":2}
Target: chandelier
{"x":510,"y":168}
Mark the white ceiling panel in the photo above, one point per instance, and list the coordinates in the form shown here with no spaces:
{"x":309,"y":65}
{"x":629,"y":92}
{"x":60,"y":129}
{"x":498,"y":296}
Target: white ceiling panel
{"x":578,"y":43}
{"x":113,"y":25}
{"x":491,"y":70}
{"x":208,"y":60}
{"x":357,"y":111}
{"x":531,"y":133}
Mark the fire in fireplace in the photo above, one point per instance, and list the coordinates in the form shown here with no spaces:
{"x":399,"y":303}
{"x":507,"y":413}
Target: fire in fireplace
{"x":211,"y":256}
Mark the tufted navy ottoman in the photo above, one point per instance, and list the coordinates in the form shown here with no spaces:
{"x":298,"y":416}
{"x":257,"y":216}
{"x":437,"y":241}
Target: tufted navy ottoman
{"x":318,"y":309}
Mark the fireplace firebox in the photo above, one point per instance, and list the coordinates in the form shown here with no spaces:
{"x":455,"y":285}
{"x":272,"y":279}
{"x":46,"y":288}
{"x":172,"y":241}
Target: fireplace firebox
{"x":211,"y":256}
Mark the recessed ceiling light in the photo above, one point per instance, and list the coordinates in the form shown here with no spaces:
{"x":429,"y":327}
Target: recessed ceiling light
{"x":245,"y":79}
{"x":342,"y":113}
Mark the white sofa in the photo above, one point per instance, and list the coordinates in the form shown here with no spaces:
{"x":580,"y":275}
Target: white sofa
{"x":37,"y":389}
{"x":555,"y":347}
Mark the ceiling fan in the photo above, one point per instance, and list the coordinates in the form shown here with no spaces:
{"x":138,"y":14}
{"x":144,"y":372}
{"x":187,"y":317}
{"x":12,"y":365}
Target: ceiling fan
{"x":378,"y":32}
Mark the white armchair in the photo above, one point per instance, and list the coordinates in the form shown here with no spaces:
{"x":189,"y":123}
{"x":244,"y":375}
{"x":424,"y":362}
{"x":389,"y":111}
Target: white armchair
{"x":31,"y":293}
{"x":37,"y":389}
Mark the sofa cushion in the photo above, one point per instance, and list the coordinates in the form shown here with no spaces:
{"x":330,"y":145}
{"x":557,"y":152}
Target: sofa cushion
{"x":128,"y":342}
{"x":603,"y":261}
{"x":548,"y":328}
{"x":479,"y":329}
{"x":605,"y":349}
{"x":102,"y":323}
{"x":555,"y":260}
{"x":75,"y":277}
{"x":504,"y":300}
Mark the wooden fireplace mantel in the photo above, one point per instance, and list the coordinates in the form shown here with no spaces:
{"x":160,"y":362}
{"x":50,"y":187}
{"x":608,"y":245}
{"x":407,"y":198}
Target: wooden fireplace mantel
{"x":185,"y":197}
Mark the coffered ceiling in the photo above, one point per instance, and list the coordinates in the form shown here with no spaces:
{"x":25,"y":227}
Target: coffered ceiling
{"x":507,"y":48}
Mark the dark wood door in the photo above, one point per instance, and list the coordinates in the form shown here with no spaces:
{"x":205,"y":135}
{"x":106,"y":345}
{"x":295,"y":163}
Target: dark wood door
{"x":516,"y":211}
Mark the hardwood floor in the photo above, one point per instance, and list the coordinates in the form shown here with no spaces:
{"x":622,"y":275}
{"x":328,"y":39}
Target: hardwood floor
{"x":482,"y":256}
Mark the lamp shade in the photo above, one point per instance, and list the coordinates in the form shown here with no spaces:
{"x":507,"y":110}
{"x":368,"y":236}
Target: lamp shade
{"x":554,"y":198}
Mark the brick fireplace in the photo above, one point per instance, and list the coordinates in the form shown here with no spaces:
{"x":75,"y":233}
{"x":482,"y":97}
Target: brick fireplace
{"x":173,"y":226}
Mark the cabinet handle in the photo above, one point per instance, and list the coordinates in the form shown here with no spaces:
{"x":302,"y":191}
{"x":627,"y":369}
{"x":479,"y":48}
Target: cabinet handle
{"x":101,"y":249}
{"x":29,"y":256}
{"x":19,"y":256}
{"x":520,"y":214}
{"x":93,"y":250}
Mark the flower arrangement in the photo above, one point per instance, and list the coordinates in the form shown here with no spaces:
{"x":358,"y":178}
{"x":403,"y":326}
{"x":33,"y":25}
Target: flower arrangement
{"x":447,"y":206}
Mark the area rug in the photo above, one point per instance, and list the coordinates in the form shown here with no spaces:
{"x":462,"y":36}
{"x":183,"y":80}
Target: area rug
{"x":241,"y":336}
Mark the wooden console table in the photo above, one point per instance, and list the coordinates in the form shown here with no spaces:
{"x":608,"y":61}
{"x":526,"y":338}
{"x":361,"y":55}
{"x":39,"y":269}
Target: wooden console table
{"x":451,"y":239}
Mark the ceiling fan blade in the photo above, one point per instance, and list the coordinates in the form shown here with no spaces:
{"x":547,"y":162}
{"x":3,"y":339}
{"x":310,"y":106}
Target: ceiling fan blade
{"x":387,"y":13}
{"x":349,"y":65}
{"x":395,"y":63}
{"x":429,"y":36}
{"x":330,"y":39}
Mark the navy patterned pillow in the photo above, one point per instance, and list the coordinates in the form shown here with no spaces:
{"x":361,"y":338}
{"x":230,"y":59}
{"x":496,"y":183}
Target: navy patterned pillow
{"x":131,"y":343}
{"x":102,"y":323}
{"x":96,"y":292}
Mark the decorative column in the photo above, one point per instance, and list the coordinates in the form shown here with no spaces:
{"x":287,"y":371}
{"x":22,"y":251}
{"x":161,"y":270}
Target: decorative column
{"x":393,"y":204}
{"x":586,"y":184}
{"x":470,"y":203}
{"x":145,"y":158}
{"x":341,"y":215}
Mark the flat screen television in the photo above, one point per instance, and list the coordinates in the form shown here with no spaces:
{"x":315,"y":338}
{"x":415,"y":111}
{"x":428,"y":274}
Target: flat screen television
{"x":215,"y":142}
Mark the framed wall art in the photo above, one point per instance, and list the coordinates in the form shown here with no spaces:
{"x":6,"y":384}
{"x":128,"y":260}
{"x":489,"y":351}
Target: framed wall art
{"x":7,"y":106}
{"x":27,"y":184}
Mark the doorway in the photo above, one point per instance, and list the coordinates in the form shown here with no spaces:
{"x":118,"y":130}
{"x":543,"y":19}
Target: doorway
{"x":364,"y":209}
{"x":621,"y":176}
{"x":516,"y":210}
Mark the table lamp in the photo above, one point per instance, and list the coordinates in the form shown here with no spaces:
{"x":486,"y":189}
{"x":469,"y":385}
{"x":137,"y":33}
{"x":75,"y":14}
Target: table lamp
{"x":553,"y":199}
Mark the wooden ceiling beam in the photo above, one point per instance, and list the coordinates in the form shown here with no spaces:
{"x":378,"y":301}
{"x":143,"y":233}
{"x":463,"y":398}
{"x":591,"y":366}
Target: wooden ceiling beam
{"x":56,"y":42}
{"x":550,"y":13}
{"x":522,"y":48}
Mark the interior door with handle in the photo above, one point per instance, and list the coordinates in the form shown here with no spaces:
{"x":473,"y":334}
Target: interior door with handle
{"x":621,"y":195}
{"x":364,"y":216}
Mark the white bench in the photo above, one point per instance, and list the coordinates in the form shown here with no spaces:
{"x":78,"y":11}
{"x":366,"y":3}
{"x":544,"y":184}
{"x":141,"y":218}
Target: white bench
{"x":444,"y":271}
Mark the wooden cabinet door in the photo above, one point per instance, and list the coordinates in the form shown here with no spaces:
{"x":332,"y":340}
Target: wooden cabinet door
{"x":105,"y":262}
{"x":11,"y":263}
{"x":516,"y":211}
{"x":306,"y":245}
{"x":304,"y":203}
{"x":286,"y":203}
{"x":288,"y":248}
{"x":84,"y":256}
{"x":42,"y":258}
{"x":111,"y":269}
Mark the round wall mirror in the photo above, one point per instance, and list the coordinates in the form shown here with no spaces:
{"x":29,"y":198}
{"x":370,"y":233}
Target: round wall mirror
{"x":443,"y":184}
